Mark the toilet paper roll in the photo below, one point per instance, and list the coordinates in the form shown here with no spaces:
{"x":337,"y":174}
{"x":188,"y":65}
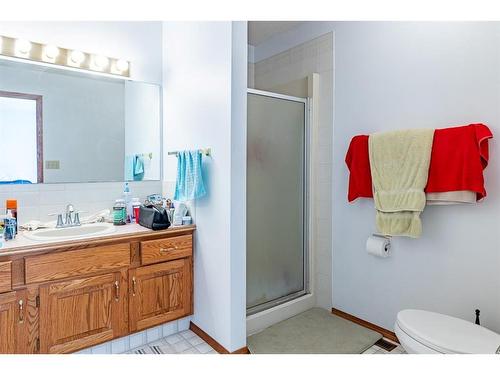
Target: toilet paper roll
{"x":378,"y":246}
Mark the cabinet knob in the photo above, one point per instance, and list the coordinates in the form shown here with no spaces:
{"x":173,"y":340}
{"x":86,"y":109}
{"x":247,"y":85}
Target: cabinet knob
{"x":134,"y":284}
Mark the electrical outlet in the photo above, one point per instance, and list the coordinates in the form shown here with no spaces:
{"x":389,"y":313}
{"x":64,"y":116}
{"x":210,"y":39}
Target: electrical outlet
{"x":52,"y":164}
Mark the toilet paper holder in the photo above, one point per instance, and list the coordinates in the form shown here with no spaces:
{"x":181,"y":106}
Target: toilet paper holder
{"x":381,"y":236}
{"x":374,"y":249}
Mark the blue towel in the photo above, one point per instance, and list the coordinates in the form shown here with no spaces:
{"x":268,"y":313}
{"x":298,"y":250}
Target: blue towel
{"x":138,"y":168}
{"x":22,"y":182}
{"x":189,"y":184}
{"x":129,"y":167}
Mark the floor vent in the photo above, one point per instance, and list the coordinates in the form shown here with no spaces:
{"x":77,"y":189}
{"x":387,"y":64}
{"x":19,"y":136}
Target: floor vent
{"x":386,"y":345}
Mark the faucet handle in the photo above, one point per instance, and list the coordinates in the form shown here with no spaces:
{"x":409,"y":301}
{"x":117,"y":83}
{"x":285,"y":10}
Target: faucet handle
{"x":68,"y":219}
{"x":60,"y":222}
{"x":76,"y":219}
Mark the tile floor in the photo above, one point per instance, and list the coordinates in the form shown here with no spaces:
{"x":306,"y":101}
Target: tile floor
{"x":378,"y":350}
{"x":185,"y":342}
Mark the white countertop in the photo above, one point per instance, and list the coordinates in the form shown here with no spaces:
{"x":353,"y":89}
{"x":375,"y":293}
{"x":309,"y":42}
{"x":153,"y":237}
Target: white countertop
{"x":21,"y":241}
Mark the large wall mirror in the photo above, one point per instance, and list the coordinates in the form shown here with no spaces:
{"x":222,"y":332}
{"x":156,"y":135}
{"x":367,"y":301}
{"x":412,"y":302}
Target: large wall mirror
{"x":59,"y":126}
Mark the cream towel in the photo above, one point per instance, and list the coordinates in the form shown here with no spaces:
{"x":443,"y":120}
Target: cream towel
{"x":399,"y":162}
{"x":451,"y":197}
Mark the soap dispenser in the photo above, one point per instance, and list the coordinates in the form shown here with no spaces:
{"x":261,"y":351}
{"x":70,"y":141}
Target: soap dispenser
{"x":128,"y":201}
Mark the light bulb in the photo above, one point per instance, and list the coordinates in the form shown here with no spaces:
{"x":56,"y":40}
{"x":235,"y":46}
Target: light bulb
{"x":77,"y":57}
{"x":122,"y":65}
{"x":23,"y":46}
{"x":51,"y":51}
{"x":101,"y":61}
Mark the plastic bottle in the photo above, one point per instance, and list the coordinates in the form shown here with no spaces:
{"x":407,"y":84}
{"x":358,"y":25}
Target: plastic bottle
{"x":10,"y":226}
{"x":128,"y":202}
{"x":136,"y":204}
{"x":119,"y":212}
{"x":11,"y":204}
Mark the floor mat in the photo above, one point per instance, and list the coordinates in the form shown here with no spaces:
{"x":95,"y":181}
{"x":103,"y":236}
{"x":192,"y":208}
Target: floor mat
{"x":315,"y":331}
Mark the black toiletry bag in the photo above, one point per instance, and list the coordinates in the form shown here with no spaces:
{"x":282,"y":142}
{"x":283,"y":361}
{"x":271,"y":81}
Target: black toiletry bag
{"x":152,"y":217}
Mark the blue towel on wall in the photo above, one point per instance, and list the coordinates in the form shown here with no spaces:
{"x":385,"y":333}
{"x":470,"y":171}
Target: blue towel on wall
{"x":138,"y":168}
{"x":189,"y":184}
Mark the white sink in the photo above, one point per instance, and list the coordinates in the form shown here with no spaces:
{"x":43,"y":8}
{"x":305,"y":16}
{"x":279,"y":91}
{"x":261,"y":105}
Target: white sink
{"x":86,"y":230}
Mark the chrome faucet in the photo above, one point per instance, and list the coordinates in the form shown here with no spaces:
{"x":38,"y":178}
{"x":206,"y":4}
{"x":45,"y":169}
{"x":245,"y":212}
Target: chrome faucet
{"x":71,"y":218}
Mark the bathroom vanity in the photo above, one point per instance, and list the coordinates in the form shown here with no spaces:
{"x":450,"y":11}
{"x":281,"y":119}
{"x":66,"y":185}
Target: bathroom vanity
{"x":61,"y":297}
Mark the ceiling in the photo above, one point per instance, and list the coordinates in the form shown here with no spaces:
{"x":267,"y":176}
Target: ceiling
{"x":260,"y":31}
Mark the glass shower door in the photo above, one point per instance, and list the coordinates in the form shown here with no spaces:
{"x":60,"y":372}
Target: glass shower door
{"x":276,"y":204}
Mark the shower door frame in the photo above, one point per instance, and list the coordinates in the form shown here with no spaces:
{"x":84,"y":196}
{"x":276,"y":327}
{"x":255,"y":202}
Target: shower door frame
{"x":306,"y":247}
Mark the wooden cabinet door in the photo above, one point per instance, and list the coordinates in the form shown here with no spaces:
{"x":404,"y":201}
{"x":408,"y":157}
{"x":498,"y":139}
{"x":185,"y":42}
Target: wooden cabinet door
{"x":10,"y":316}
{"x":82,"y":312}
{"x":160,"y":293}
{"x":16,"y":324}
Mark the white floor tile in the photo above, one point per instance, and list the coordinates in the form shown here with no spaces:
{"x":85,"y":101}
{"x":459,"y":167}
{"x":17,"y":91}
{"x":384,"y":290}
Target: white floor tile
{"x":195,"y":340}
{"x":174,"y":339}
{"x":187,"y":334}
{"x":203,"y":348}
{"x":181,"y":346}
{"x":185,"y":342}
{"x":191,"y":351}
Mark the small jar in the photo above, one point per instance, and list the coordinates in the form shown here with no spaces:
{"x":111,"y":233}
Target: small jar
{"x":120,"y":212}
{"x":136,"y":206}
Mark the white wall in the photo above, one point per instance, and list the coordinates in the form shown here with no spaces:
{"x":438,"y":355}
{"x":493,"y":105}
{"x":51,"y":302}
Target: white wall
{"x":139,"y":42}
{"x":391,"y":75}
{"x":204,"y":84}
{"x":403,"y":75}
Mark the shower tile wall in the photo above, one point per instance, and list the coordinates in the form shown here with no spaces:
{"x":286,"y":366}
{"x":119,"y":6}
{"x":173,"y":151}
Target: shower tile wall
{"x":315,"y":56}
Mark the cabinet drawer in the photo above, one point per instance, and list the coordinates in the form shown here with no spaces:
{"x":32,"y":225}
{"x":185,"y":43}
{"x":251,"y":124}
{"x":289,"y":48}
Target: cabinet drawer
{"x":156,"y":251}
{"x":5,"y":277}
{"x":77,"y":262}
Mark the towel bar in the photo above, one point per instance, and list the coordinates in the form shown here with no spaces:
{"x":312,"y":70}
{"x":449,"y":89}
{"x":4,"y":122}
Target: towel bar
{"x":204,"y":151}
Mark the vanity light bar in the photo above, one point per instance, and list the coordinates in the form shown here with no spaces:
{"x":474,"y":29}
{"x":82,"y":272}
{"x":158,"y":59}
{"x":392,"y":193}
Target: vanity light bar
{"x":48,"y":53}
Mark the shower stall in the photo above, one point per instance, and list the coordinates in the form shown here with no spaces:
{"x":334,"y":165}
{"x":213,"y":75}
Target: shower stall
{"x":277,"y":200}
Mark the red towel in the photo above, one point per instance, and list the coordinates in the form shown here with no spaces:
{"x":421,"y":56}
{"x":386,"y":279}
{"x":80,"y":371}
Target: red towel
{"x":458,"y":158}
{"x":358,"y":162}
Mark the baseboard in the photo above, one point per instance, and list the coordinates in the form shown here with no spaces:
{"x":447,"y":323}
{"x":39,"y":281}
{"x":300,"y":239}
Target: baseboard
{"x":384,"y":332}
{"x":213,"y":343}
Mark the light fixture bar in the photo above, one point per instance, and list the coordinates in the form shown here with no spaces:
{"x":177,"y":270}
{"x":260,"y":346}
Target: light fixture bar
{"x":51,"y":54}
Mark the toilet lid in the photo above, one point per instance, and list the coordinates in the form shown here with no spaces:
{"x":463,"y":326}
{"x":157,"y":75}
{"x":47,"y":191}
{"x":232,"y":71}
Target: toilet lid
{"x":447,"y":334}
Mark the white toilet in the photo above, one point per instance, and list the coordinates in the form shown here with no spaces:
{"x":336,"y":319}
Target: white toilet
{"x":428,"y":332}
